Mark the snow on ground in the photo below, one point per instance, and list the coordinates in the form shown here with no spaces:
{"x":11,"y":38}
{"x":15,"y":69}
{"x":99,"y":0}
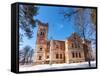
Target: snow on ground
{"x":56,"y":66}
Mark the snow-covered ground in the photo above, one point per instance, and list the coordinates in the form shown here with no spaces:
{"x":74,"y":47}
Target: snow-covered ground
{"x":56,"y":66}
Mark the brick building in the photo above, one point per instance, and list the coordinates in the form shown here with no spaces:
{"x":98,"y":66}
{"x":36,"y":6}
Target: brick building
{"x":56,"y":51}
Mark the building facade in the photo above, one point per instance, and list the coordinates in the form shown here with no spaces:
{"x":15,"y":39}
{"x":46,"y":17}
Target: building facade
{"x":56,"y":51}
{"x":74,"y":49}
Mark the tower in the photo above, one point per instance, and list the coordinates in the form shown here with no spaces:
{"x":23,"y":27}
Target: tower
{"x":41,"y":43}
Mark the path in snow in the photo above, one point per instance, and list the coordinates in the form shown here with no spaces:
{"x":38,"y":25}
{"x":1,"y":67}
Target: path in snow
{"x":56,"y":66}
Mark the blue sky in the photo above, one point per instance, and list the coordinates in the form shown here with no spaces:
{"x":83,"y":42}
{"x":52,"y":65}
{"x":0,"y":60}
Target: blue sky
{"x":59,"y":29}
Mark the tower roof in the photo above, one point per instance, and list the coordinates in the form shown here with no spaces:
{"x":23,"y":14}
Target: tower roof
{"x":42,"y":24}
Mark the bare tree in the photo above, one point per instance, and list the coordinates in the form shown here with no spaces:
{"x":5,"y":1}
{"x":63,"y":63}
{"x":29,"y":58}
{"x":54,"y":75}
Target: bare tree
{"x":30,"y":56}
{"x":83,"y":23}
{"x":25,"y":55}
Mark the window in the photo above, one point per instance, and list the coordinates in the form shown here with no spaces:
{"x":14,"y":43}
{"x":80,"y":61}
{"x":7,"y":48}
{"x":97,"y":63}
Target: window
{"x":60,"y":56}
{"x":76,"y":55}
{"x":80,"y":55}
{"x":47,"y":56}
{"x":73,"y":55}
{"x":73,"y":61}
{"x":42,"y":33}
{"x":41,"y":48}
{"x":57,"y":56}
{"x":40,"y":57}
